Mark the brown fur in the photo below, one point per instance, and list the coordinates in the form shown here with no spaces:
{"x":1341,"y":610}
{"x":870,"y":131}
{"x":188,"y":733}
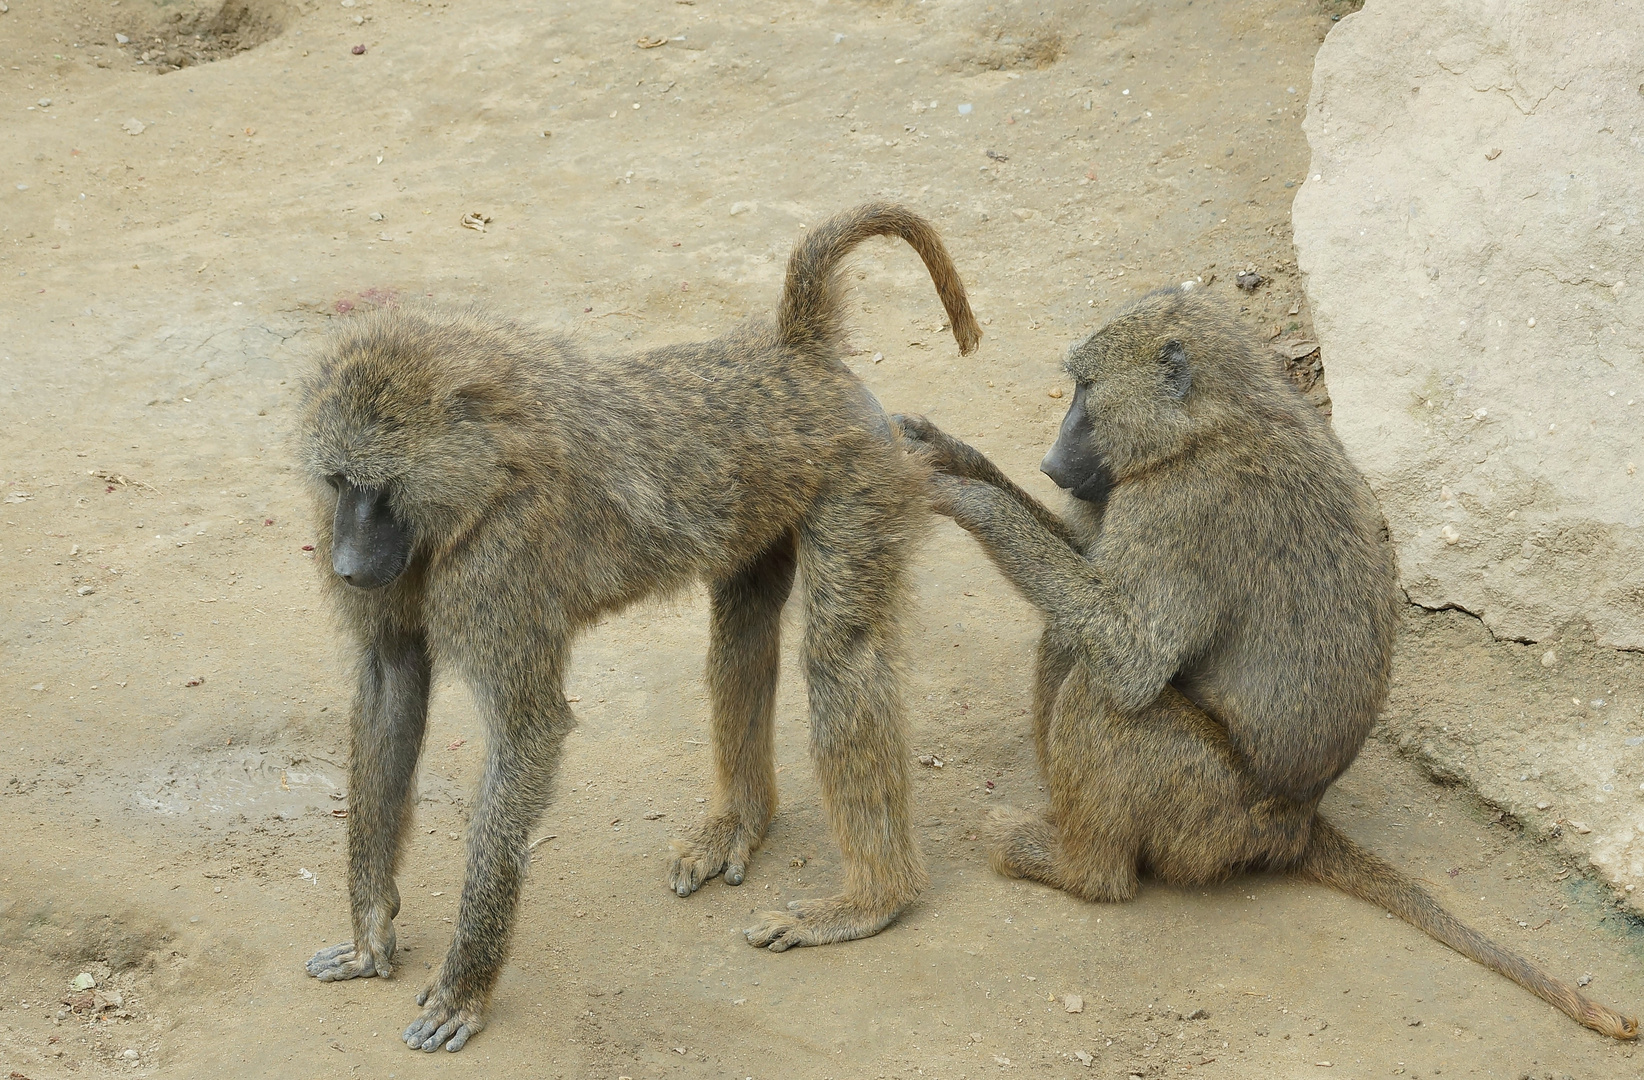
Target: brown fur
{"x":545,"y":487}
{"x":1218,"y":631}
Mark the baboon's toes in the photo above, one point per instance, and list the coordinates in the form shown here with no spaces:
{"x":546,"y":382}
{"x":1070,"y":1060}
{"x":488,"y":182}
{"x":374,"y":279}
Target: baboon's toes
{"x":344,"y":961}
{"x":816,"y":922}
{"x":442,"y":1023}
{"x":692,"y":867}
{"x":720,"y":846}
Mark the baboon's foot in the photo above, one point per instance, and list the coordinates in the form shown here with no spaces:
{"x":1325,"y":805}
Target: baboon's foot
{"x":352,"y":960}
{"x":818,"y":922}
{"x":721,"y":845}
{"x":446,"y":1021}
{"x":1022,"y":844}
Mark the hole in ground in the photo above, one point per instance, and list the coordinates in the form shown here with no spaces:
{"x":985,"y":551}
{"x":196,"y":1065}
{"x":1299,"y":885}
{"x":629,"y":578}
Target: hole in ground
{"x":164,"y":41}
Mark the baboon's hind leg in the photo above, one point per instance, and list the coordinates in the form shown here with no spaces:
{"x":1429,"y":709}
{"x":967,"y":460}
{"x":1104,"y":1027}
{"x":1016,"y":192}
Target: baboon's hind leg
{"x":1055,"y":659}
{"x":854,"y":553}
{"x":743,"y":655}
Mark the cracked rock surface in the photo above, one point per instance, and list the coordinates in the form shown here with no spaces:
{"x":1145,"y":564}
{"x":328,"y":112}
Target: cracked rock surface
{"x":1470,"y":236}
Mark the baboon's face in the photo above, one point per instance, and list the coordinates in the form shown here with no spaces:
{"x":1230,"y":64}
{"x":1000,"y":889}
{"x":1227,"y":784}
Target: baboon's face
{"x":397,"y":423}
{"x":1074,"y":462}
{"x":370,"y":545}
{"x":1131,"y":384}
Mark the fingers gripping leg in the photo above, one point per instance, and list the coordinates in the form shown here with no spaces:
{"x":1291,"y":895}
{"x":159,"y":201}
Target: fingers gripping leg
{"x":387,"y":724}
{"x":959,"y":459}
{"x":743,"y":657}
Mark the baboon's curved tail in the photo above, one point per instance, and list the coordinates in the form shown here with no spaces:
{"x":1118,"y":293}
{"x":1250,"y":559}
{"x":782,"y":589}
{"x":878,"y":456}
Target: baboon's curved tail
{"x":810,"y":310}
{"x":1332,"y":859}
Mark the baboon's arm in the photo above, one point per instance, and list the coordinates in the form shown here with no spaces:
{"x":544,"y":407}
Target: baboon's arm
{"x":1132,"y":641}
{"x":955,"y":458}
{"x":387,"y":724}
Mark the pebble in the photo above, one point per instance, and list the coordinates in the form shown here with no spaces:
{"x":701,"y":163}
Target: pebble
{"x":1449,"y":535}
{"x":86,"y":590}
{"x":1056,"y":393}
{"x":1073,"y":1003}
{"x":133,"y":127}
{"x":122,"y":39}
{"x":358,"y":50}
{"x":44,"y":103}
{"x":1549,"y":658}
{"x":1084,"y":1058}
{"x":964,"y":110}
{"x":1584,"y":980}
{"x":1544,"y":805}
{"x":129,"y":1055}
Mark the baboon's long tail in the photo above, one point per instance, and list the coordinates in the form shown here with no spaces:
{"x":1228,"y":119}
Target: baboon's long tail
{"x":810,"y":310}
{"x":1334,"y":860}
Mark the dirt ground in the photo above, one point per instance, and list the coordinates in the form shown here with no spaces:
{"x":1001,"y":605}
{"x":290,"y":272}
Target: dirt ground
{"x":175,"y":235}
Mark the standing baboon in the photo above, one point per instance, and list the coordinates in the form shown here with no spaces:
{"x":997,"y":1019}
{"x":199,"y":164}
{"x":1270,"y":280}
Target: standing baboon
{"x":1219,"y":625}
{"x":494,"y":490}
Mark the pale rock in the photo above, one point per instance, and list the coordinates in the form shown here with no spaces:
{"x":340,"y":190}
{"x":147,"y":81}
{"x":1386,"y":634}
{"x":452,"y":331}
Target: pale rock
{"x":1471,"y":305}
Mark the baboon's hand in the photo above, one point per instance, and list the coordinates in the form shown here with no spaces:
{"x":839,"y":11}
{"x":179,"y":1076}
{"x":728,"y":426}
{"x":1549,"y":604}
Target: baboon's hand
{"x":444,"y":1022}
{"x":925,"y":440}
{"x":349,"y":961}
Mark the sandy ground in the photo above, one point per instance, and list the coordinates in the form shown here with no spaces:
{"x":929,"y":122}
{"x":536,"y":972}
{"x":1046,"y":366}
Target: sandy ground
{"x":172,"y":693}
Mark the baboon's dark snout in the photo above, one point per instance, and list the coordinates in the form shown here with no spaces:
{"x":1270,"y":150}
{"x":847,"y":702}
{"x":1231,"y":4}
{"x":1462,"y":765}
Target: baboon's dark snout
{"x":370,"y":547}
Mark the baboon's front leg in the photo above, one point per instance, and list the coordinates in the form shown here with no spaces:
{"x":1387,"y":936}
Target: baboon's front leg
{"x":853,"y":567}
{"x":743,"y":656}
{"x":528,"y":720}
{"x":386,"y":726}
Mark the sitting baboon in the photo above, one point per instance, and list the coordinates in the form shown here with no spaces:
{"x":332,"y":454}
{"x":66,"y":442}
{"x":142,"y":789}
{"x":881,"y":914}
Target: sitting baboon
{"x":484,"y":491}
{"x":1219,"y":618}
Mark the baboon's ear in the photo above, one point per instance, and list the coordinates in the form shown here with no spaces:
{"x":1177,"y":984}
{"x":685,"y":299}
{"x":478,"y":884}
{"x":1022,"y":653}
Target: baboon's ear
{"x":1178,"y":378}
{"x":474,"y":400}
